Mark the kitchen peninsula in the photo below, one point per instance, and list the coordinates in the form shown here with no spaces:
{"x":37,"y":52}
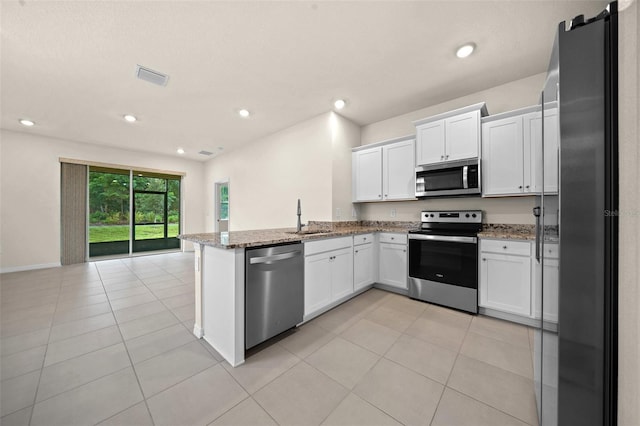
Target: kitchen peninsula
{"x":220,"y":275}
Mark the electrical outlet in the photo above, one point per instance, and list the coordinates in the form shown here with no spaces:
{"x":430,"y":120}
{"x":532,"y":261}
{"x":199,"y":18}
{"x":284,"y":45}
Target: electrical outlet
{"x":354,"y":213}
{"x":338,"y":213}
{"x":393,"y":212}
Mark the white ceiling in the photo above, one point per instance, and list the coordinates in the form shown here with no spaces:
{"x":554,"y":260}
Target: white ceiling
{"x":70,"y":65}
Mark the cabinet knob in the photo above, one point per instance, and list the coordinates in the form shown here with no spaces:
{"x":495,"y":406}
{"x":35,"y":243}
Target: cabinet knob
{"x":527,"y":186}
{"x":356,"y":251}
{"x":393,"y":238}
{"x":520,"y":187}
{"x":404,"y":251}
{"x":365,"y":238}
{"x":380,"y":196}
{"x":385,"y":195}
{"x":442,"y":157}
{"x":504,"y":247}
{"x":446,"y":157}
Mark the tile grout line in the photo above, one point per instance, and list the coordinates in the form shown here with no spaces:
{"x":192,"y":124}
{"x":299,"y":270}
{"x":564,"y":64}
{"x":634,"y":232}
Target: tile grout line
{"x":35,"y":396}
{"x":444,"y":388}
{"x":135,"y":373}
{"x":463,"y":393}
{"x":129,"y":355}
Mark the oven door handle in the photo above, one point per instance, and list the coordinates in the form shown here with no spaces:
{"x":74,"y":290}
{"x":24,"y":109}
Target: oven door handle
{"x":448,"y":238}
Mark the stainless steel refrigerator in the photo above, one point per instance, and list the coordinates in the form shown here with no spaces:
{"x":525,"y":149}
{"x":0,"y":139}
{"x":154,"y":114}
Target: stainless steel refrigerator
{"x":575,"y":345}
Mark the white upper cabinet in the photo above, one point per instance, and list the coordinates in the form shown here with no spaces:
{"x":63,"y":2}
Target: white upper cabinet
{"x":385,"y":171}
{"x":512,"y":152}
{"x":462,"y":136}
{"x":451,"y":136}
{"x":502,"y":156}
{"x":430,"y":143}
{"x":398,"y":173}
{"x":367,"y":175}
{"x":551,"y":151}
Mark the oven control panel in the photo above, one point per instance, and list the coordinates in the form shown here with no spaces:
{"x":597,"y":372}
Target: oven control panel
{"x":449,"y":216}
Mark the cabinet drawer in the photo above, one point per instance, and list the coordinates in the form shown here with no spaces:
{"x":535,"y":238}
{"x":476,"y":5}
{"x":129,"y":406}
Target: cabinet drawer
{"x":313,"y":247}
{"x":551,"y":251}
{"x":362,"y":239}
{"x":520,"y":248}
{"x":393,"y":238}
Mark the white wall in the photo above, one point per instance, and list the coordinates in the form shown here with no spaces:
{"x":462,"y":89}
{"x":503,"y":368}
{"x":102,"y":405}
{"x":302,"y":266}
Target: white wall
{"x":30,"y":193}
{"x":507,"y":97}
{"x":267,"y":176}
{"x":629,"y":283}
{"x":345,"y":136}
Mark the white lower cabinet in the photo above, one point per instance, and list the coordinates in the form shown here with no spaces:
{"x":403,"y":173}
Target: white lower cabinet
{"x":317,"y":282}
{"x":393,"y":260}
{"x":550,"y":271}
{"x":328,"y":272}
{"x":505,"y":276}
{"x":363,"y":261}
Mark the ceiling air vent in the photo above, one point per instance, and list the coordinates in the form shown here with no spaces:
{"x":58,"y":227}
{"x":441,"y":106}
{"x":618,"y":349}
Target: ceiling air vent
{"x":207,"y":153}
{"x":151,"y":76}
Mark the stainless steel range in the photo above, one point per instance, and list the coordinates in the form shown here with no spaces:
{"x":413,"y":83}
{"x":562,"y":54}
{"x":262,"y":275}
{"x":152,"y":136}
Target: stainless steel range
{"x":443,"y":259}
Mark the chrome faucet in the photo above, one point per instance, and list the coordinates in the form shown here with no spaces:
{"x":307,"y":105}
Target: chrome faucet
{"x":300,"y":225}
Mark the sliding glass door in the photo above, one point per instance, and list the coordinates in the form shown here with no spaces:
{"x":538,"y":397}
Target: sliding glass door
{"x":156,"y":212}
{"x":109,"y":219}
{"x":153,"y":200}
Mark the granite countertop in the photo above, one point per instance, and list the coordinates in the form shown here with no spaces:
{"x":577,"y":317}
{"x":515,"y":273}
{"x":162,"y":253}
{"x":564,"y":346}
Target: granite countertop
{"x":508,"y":232}
{"x":263,"y":237}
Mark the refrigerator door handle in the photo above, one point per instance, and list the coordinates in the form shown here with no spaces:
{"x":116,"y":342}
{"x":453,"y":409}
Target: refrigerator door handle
{"x":536,"y":213}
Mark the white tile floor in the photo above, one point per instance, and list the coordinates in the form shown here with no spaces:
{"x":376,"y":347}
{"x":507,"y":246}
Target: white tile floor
{"x":110,"y":343}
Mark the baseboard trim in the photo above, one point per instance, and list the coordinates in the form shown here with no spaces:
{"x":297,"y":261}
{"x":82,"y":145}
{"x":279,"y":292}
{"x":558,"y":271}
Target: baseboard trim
{"x":29,"y":267}
{"x":198,"y":332}
{"x":391,"y":289}
{"x":531,"y":322}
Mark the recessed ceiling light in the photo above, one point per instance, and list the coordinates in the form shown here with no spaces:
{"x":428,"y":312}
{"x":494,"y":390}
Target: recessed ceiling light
{"x":465,"y":50}
{"x":244,"y":113}
{"x":180,"y":151}
{"x":130,"y":118}
{"x":339,"y":104}
{"x":26,"y":122}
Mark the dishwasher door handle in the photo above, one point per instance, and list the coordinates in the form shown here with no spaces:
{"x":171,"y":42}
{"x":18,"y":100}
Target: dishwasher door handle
{"x":274,"y":258}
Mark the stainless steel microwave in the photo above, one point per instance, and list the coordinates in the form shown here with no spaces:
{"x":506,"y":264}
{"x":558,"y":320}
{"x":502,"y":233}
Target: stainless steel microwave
{"x":453,"y":178}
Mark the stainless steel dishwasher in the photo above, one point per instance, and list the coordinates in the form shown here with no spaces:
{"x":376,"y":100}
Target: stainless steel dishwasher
{"x":274,"y":291}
